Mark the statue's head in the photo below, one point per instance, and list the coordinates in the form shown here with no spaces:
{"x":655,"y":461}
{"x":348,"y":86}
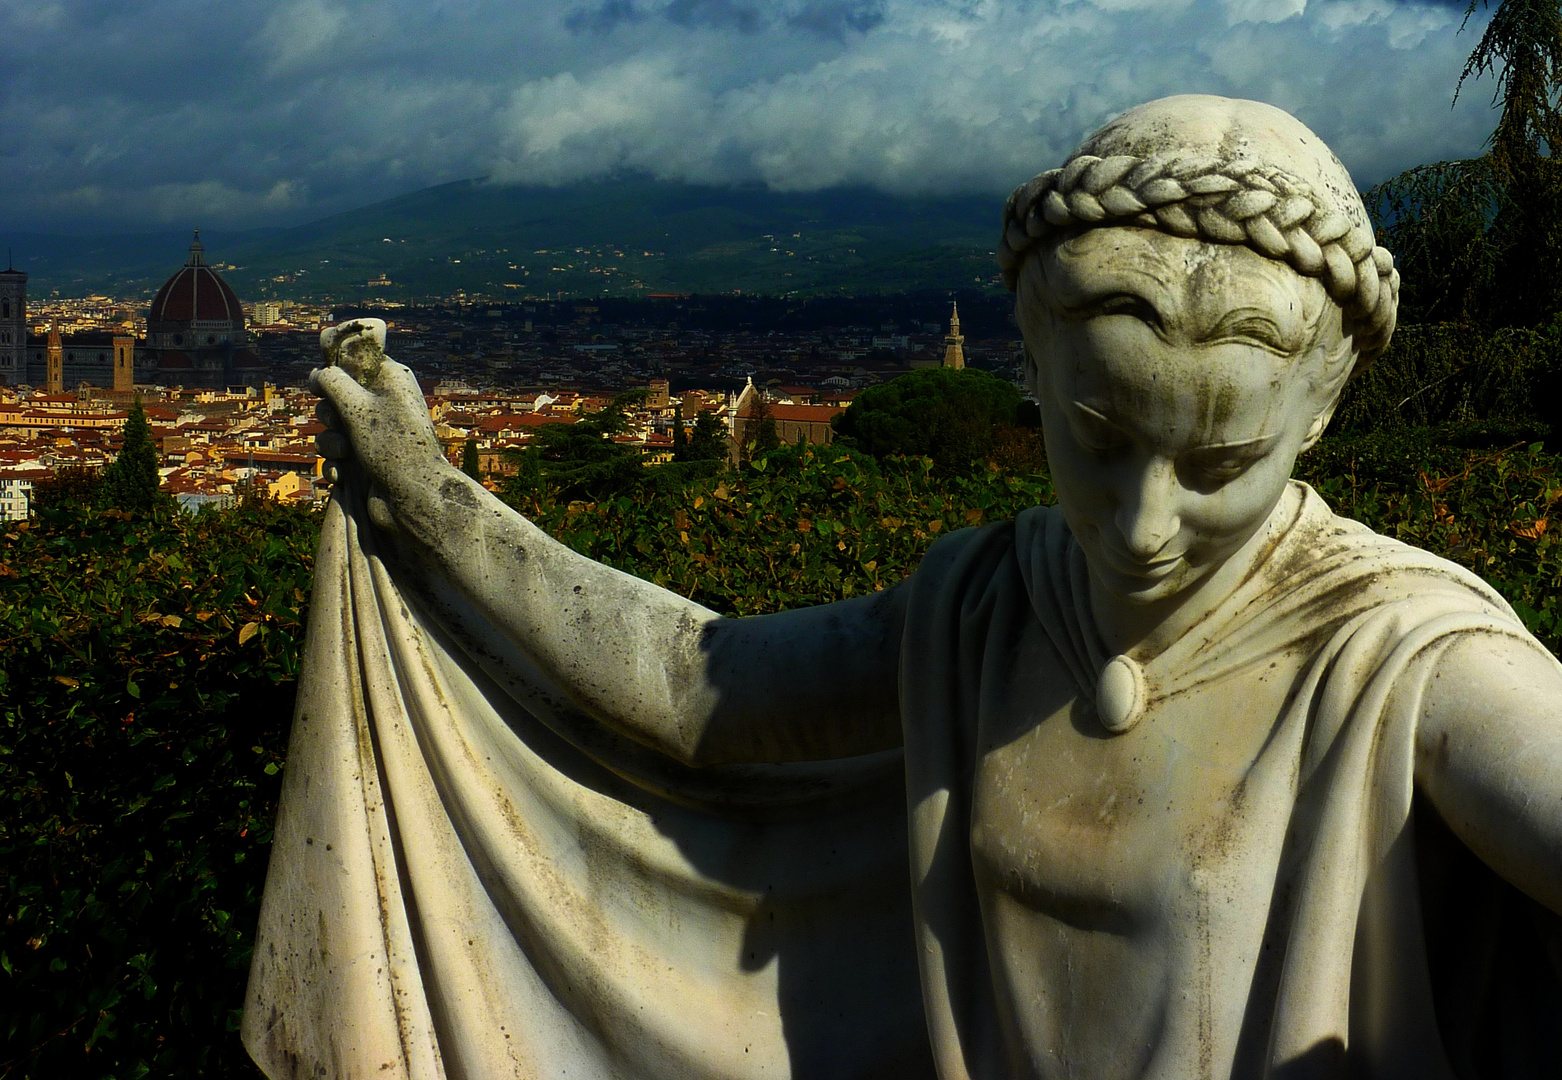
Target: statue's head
{"x":1195,"y":286}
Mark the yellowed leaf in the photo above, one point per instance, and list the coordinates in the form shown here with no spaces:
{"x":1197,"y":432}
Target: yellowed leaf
{"x":247,"y":631}
{"x":66,"y":680}
{"x":173,"y":621}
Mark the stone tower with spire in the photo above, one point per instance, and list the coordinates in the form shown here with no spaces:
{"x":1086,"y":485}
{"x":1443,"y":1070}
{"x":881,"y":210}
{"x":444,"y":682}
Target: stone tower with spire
{"x":954,"y":351}
{"x":13,"y":326}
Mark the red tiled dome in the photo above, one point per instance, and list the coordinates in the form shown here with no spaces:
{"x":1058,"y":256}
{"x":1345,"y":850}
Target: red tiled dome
{"x":196,"y":293}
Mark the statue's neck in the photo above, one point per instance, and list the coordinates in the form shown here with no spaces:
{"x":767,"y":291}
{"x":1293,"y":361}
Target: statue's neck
{"x":1145,"y":630}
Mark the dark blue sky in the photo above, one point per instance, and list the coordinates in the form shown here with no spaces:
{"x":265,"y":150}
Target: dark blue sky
{"x":128,"y":114}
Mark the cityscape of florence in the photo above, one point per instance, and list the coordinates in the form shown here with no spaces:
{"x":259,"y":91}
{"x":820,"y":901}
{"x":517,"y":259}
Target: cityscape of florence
{"x":840,"y":539}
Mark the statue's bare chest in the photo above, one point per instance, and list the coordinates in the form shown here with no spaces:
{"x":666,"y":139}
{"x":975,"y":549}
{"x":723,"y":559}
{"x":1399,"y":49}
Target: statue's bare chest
{"x":1115,"y":873}
{"x":1063,"y":811}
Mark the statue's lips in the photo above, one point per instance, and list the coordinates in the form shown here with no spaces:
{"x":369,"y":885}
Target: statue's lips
{"x":1152,"y":570}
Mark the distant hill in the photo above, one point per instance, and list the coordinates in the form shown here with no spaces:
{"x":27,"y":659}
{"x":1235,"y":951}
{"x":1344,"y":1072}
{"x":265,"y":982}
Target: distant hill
{"x":623,"y":237}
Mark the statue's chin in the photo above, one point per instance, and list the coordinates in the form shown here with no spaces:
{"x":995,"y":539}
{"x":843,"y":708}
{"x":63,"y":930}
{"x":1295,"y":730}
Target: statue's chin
{"x":1145,"y":586}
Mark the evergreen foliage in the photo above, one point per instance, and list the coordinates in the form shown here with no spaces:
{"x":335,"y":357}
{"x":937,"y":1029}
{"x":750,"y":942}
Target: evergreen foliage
{"x":1481,"y":240}
{"x":680,"y":437}
{"x":469,"y":461}
{"x":582,"y":460}
{"x":131,"y":482}
{"x":147,"y":667}
{"x":762,"y":434}
{"x":709,"y":441}
{"x":955,"y":416}
{"x":1459,"y":374}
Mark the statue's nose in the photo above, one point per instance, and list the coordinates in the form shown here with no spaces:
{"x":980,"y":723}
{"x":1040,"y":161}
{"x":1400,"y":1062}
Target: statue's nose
{"x":1147,"y":514}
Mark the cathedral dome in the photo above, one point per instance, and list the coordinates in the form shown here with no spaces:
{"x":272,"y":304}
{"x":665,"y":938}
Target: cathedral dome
{"x":194,"y":304}
{"x":195,"y":332}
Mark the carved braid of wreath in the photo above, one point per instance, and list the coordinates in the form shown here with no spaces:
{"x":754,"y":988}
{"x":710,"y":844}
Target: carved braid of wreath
{"x":1232,"y":202}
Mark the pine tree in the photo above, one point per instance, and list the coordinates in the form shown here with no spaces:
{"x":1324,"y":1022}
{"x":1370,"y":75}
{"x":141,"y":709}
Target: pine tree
{"x":131,"y":482}
{"x":469,"y":461}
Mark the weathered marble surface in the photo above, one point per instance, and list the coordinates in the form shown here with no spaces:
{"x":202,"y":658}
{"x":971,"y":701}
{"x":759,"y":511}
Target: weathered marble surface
{"x":1191,"y":777}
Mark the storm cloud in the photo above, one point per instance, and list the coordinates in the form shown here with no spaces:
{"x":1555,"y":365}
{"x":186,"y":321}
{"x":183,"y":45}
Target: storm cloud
{"x":141,"y":113}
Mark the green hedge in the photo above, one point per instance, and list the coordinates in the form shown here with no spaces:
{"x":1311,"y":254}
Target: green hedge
{"x":148,"y":666}
{"x":147,"y":672}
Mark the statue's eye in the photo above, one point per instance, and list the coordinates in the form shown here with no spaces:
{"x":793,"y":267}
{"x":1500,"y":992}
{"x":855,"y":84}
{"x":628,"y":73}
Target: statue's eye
{"x":1127,"y":304}
{"x":1207,"y":470}
{"x":1095,"y":432}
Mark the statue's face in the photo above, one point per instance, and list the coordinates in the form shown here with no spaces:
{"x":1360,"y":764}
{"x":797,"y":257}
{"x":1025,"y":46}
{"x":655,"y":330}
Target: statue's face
{"x":1178,"y":381}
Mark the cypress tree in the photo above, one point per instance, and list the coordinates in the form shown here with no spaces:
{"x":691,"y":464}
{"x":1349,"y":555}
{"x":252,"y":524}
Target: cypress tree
{"x":680,"y":438}
{"x":469,"y":463}
{"x":131,"y":482}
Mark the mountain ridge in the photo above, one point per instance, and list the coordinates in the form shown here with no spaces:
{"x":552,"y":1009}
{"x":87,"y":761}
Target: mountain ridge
{"x":620,"y":236}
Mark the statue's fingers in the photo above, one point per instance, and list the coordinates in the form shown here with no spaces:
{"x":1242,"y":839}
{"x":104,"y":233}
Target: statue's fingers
{"x":334,"y":445}
{"x":339,"y":388}
{"x":380,"y":511}
{"x":326,"y":413}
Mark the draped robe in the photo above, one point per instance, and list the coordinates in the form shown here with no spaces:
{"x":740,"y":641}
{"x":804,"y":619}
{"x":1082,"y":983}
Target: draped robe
{"x":471,"y":878}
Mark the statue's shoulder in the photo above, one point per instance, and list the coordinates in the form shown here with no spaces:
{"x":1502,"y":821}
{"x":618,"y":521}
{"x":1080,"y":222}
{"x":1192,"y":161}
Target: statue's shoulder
{"x":966,"y":558}
{"x":1325,"y":546}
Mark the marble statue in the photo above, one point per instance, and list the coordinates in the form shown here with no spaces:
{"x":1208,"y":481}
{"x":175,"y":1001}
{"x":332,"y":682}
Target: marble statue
{"x":1185,"y":777}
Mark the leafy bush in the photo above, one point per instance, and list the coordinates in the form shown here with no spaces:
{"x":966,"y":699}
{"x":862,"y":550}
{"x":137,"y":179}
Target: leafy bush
{"x":801,"y":525}
{"x":1489,"y":510}
{"x":147,"y":667}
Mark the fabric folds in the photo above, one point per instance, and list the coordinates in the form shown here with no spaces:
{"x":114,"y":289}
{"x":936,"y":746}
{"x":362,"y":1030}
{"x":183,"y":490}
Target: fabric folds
{"x":462,"y":887}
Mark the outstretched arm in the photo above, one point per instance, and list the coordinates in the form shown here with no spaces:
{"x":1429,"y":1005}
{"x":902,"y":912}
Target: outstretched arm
{"x":1489,"y":756}
{"x":807,"y":684}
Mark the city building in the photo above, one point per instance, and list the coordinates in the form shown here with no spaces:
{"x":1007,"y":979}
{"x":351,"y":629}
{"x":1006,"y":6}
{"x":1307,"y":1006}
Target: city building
{"x":195,"y":330}
{"x":16,"y":491}
{"x":13,"y":326}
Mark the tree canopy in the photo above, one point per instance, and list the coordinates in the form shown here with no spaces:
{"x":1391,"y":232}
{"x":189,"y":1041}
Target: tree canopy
{"x":956,"y":416}
{"x":1480,"y":240}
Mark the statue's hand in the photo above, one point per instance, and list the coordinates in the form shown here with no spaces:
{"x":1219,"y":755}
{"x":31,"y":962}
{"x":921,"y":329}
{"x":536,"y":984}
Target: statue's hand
{"x":374,"y":412}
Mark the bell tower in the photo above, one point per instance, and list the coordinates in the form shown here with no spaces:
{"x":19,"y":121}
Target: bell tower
{"x":954,"y":341}
{"x":124,"y":364}
{"x":13,"y":326}
{"x":54,"y":364}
